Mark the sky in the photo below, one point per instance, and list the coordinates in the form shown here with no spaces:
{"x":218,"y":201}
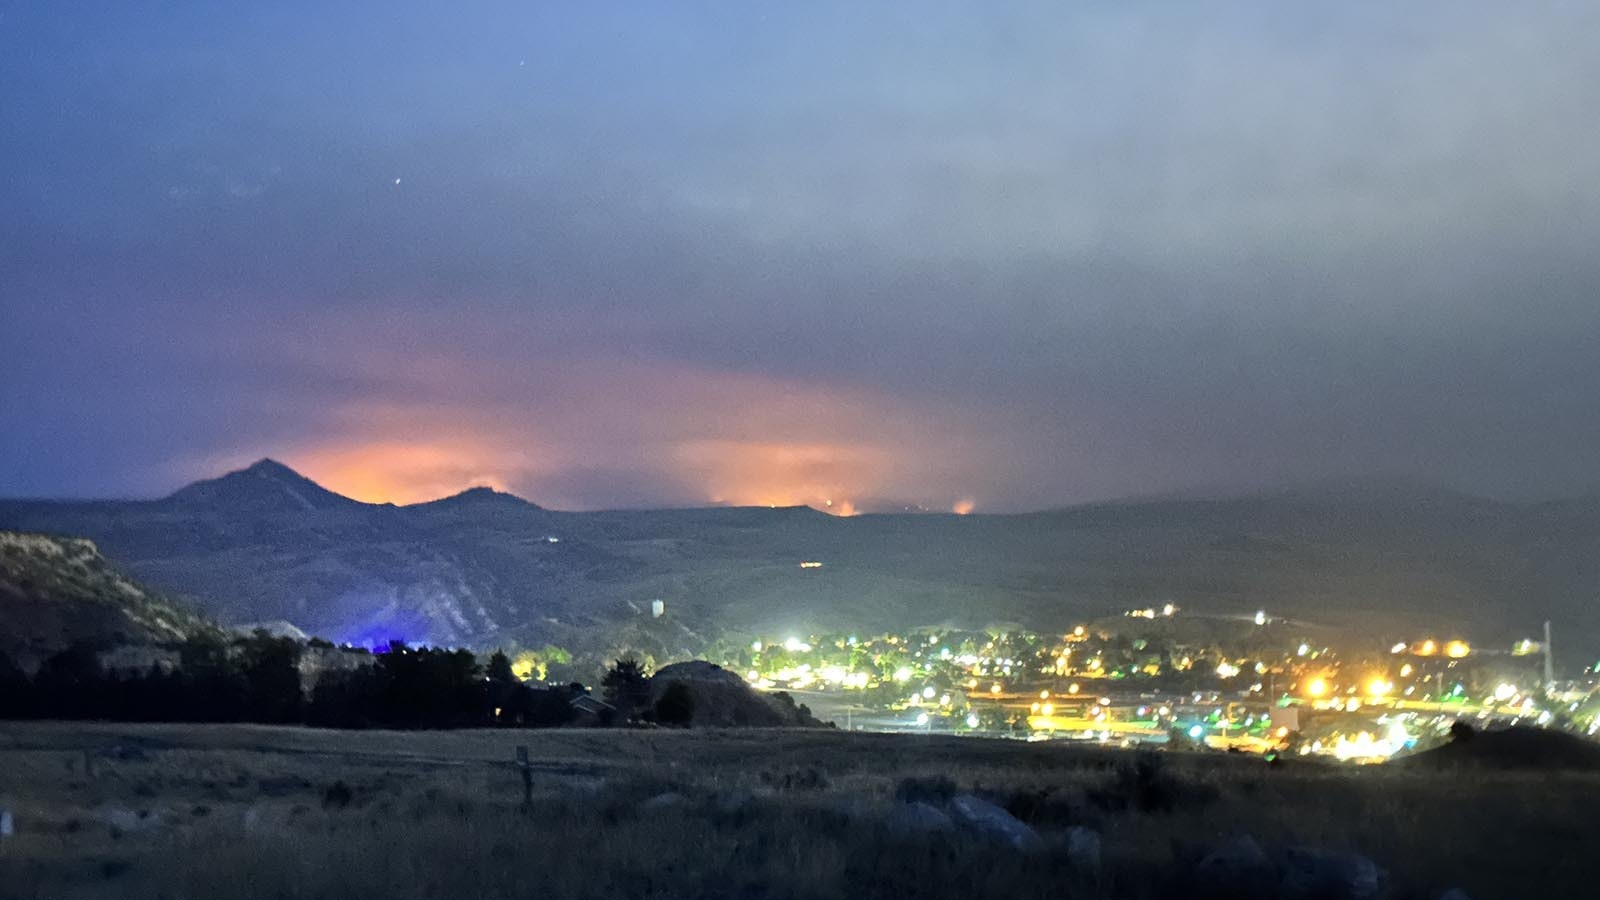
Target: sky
{"x":985,"y":256}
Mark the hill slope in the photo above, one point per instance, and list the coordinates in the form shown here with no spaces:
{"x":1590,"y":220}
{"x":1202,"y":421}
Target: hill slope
{"x":58,"y":591}
{"x":485,"y":568}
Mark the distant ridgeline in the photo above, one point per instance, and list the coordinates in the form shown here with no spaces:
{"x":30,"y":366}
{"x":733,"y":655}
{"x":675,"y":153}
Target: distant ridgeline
{"x":486,"y":569}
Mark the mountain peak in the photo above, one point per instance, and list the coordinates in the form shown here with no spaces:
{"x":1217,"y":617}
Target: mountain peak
{"x":478,"y":496}
{"x":266,"y":485}
{"x":269,"y":467}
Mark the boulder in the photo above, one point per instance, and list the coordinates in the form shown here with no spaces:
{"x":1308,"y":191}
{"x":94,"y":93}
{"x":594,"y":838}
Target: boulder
{"x":1083,"y":849}
{"x":125,"y":820}
{"x":271,"y":819}
{"x":1312,"y":872}
{"x":985,"y":818}
{"x":664,"y":801}
{"x":1238,"y":868}
{"x":916,"y":819}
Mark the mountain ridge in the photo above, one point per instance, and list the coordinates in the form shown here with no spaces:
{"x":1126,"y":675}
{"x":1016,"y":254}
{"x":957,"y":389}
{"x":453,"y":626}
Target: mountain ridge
{"x":482,"y":566}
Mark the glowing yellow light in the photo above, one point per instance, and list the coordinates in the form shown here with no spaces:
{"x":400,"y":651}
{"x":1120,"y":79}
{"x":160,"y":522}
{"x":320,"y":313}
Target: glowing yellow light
{"x":1378,"y":687}
{"x":1078,"y":631}
{"x":1316,"y":687}
{"x":994,"y":688}
{"x":1044,"y":695}
{"x":1406,"y":670}
{"x":1428,"y":648}
{"x":1048,"y":709}
{"x":1072,"y":688}
{"x":1457,"y":649}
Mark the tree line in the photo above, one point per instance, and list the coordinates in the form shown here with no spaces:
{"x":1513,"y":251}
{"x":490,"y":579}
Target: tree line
{"x":257,"y":679}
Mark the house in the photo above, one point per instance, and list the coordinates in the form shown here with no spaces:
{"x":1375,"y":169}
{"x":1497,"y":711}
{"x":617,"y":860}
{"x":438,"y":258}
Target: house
{"x":590,"y":711}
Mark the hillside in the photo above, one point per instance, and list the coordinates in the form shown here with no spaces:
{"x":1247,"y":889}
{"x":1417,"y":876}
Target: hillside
{"x":58,"y":591}
{"x":484,"y":568}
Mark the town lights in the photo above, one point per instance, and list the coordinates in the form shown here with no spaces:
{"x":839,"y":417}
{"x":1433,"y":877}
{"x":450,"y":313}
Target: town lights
{"x":1378,"y":687}
{"x":1317,"y":687}
{"x":1457,"y":649}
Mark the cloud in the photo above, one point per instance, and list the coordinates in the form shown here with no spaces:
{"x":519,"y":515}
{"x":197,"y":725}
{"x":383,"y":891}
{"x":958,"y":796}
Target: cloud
{"x":1011,"y":255}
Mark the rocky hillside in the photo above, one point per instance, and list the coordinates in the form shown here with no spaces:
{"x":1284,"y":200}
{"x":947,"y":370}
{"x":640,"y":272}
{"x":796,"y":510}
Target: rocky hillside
{"x":487,"y":568}
{"x":58,"y":591}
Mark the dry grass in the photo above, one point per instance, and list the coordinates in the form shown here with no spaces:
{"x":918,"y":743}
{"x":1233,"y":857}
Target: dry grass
{"x":239,"y":811}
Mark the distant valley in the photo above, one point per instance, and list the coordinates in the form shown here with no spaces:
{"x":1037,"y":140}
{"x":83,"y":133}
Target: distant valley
{"x":483,"y":568}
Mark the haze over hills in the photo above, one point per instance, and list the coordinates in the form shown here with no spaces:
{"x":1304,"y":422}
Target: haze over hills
{"x":483,"y":567}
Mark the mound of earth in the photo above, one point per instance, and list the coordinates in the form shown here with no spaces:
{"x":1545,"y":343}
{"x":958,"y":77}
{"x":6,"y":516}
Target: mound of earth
{"x":55,"y":592}
{"x":723,"y":699}
{"x":1512,"y":748}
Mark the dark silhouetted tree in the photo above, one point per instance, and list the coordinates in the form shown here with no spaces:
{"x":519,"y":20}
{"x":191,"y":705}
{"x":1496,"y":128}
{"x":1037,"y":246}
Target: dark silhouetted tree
{"x":16,"y":691}
{"x":69,"y":685}
{"x":627,"y":687}
{"x":270,"y":668}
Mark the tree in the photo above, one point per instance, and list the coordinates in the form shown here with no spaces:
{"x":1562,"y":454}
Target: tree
{"x":16,"y":693}
{"x":68,"y":685}
{"x":499,"y":669}
{"x":676,"y":706}
{"x":270,"y":667}
{"x":627,"y":687}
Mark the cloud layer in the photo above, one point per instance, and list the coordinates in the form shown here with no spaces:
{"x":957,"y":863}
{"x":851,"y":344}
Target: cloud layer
{"x":1005,"y":256}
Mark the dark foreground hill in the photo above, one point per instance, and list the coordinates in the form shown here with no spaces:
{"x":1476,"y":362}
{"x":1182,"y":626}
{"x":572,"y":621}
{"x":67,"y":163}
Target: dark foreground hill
{"x":485,"y":568}
{"x":719,"y":698}
{"x":55,"y":592}
{"x":1512,"y":749}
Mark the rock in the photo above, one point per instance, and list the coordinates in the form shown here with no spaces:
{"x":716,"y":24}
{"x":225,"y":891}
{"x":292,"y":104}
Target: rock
{"x":1330,"y":875}
{"x":991,"y":821}
{"x":664,"y":801}
{"x":735,"y":802}
{"x":917,"y":819}
{"x":270,"y":818}
{"x":1083,"y":849}
{"x":1238,"y":868}
{"x":123,"y":819}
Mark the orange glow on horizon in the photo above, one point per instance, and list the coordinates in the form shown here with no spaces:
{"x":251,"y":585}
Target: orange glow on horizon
{"x":964,"y":507}
{"x":398,"y":473}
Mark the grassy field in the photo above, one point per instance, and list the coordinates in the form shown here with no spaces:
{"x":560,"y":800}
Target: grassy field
{"x":257,"y":812}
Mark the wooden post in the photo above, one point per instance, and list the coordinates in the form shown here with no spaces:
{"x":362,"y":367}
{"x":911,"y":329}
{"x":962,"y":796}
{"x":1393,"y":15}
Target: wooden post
{"x":527,"y":777}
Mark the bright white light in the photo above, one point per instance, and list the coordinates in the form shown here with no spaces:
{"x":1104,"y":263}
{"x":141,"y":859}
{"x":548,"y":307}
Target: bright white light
{"x":795,"y":645}
{"x":922,"y":718}
{"x":928,"y":692}
{"x":1196,"y":732}
{"x":902,"y":674}
{"x":1504,"y":692}
{"x":1261,"y":617}
{"x":1227,"y":670}
{"x":972,"y":720}
{"x":1302,"y":650}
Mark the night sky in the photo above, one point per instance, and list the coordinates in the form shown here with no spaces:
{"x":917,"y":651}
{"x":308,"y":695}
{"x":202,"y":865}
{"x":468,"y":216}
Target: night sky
{"x":984,"y":255}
